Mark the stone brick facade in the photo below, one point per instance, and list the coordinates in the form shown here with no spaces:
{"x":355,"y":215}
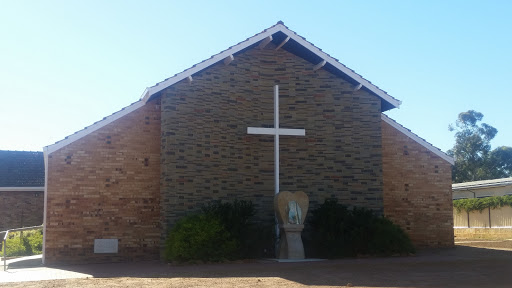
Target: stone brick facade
{"x":21,"y":209}
{"x":207,"y":153}
{"x":106,"y":186}
{"x":134,"y":178}
{"x":417,"y":189}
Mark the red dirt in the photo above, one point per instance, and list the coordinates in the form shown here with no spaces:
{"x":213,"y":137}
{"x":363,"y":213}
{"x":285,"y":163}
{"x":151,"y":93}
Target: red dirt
{"x":462,"y":266}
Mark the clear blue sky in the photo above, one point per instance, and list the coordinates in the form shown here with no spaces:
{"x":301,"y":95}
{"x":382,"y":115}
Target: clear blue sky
{"x":67,"y":64}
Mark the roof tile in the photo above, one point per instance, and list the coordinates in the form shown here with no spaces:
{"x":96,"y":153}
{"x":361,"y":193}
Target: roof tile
{"x":21,"y":169}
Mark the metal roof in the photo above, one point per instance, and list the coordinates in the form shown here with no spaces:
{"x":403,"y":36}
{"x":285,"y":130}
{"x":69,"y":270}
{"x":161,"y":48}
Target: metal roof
{"x":482,"y":184}
{"x":21,"y":169}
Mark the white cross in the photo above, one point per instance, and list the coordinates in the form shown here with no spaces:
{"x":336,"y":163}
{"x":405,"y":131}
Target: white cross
{"x":276,"y":131}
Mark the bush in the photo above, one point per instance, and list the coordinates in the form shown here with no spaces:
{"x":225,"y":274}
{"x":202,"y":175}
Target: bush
{"x":35,"y":240}
{"x":338,"y":232}
{"x":221,"y":231}
{"x":24,"y":243}
{"x":235,"y":217}
{"x":252,"y":239}
{"x":258,"y":242}
{"x":480,"y":204}
{"x":200,"y":237}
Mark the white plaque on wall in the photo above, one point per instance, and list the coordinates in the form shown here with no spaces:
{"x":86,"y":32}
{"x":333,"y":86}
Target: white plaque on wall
{"x":105,"y":245}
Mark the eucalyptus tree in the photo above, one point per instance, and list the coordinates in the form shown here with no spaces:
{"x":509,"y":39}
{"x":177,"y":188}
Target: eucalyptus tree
{"x":474,"y":159}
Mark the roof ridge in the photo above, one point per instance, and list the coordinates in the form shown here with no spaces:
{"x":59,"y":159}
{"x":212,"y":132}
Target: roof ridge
{"x":278,"y":27}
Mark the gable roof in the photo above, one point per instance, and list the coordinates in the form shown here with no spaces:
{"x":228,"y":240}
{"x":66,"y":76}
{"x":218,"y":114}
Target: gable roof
{"x":287,"y":39}
{"x":418,"y":139}
{"x":482,"y":184}
{"x":21,"y":169}
{"x":95,"y":126}
{"x":277,"y":34}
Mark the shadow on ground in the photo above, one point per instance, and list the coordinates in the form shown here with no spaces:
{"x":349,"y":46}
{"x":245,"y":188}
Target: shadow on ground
{"x":458,"y":267}
{"x":24,"y":262}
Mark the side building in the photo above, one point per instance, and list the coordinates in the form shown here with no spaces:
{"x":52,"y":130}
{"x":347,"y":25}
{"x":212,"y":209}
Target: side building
{"x":479,"y":221}
{"x":21,"y":189}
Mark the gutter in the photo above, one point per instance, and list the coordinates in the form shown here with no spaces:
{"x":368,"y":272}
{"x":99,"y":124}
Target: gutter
{"x":21,"y":189}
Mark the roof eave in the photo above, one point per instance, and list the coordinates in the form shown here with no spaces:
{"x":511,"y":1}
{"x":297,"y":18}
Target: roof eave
{"x":481,"y":184}
{"x":150,"y":91}
{"x":22,"y":189}
{"x":89,"y":129}
{"x":417,"y":139}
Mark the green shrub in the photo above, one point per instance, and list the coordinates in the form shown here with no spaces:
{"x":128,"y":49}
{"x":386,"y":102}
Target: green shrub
{"x":338,"y":232}
{"x":200,"y":237}
{"x":221,"y":231}
{"x":234,"y":216}
{"x":258,"y":242}
{"x":24,"y":243}
{"x":327,"y":230}
{"x":252,"y":239}
{"x":389,"y":239}
{"x":35,"y":240}
{"x":480,"y":204}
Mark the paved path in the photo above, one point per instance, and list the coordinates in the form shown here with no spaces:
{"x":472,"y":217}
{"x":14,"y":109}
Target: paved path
{"x":31,"y":269}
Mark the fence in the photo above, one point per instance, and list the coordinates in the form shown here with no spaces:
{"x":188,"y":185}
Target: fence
{"x":488,"y":218}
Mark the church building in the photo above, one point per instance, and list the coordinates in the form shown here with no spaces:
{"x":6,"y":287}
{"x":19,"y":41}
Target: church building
{"x":113,"y":189}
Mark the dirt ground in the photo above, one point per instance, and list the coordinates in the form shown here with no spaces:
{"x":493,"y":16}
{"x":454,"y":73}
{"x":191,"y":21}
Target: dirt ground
{"x":499,"y":244}
{"x":470,"y":264}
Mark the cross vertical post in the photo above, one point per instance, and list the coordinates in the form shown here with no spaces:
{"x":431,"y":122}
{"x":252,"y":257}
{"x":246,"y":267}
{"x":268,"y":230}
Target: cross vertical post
{"x":276,"y":139}
{"x":276,"y":131}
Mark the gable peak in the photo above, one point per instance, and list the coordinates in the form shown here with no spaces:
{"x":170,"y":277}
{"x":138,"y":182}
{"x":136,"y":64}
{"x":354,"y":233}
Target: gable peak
{"x":289,"y":40}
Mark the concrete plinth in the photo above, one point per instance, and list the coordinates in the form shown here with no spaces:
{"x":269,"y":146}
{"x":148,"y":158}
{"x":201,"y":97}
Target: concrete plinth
{"x":291,"y":241}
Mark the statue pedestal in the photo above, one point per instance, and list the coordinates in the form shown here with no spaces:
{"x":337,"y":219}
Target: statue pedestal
{"x":291,"y":241}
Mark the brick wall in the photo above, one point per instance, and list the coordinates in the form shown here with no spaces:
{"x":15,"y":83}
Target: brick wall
{"x":21,"y":209}
{"x":207,"y":154}
{"x":417,"y":189}
{"x":106,"y":186}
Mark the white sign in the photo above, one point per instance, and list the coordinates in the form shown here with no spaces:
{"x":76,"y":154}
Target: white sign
{"x":105,"y":245}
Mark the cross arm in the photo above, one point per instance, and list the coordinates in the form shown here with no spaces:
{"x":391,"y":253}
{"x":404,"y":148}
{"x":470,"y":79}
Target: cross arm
{"x":272,"y":131}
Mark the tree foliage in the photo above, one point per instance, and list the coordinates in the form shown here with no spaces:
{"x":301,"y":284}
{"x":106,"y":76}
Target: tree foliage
{"x":474,"y":159}
{"x":501,"y":157}
{"x":24,"y":243}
